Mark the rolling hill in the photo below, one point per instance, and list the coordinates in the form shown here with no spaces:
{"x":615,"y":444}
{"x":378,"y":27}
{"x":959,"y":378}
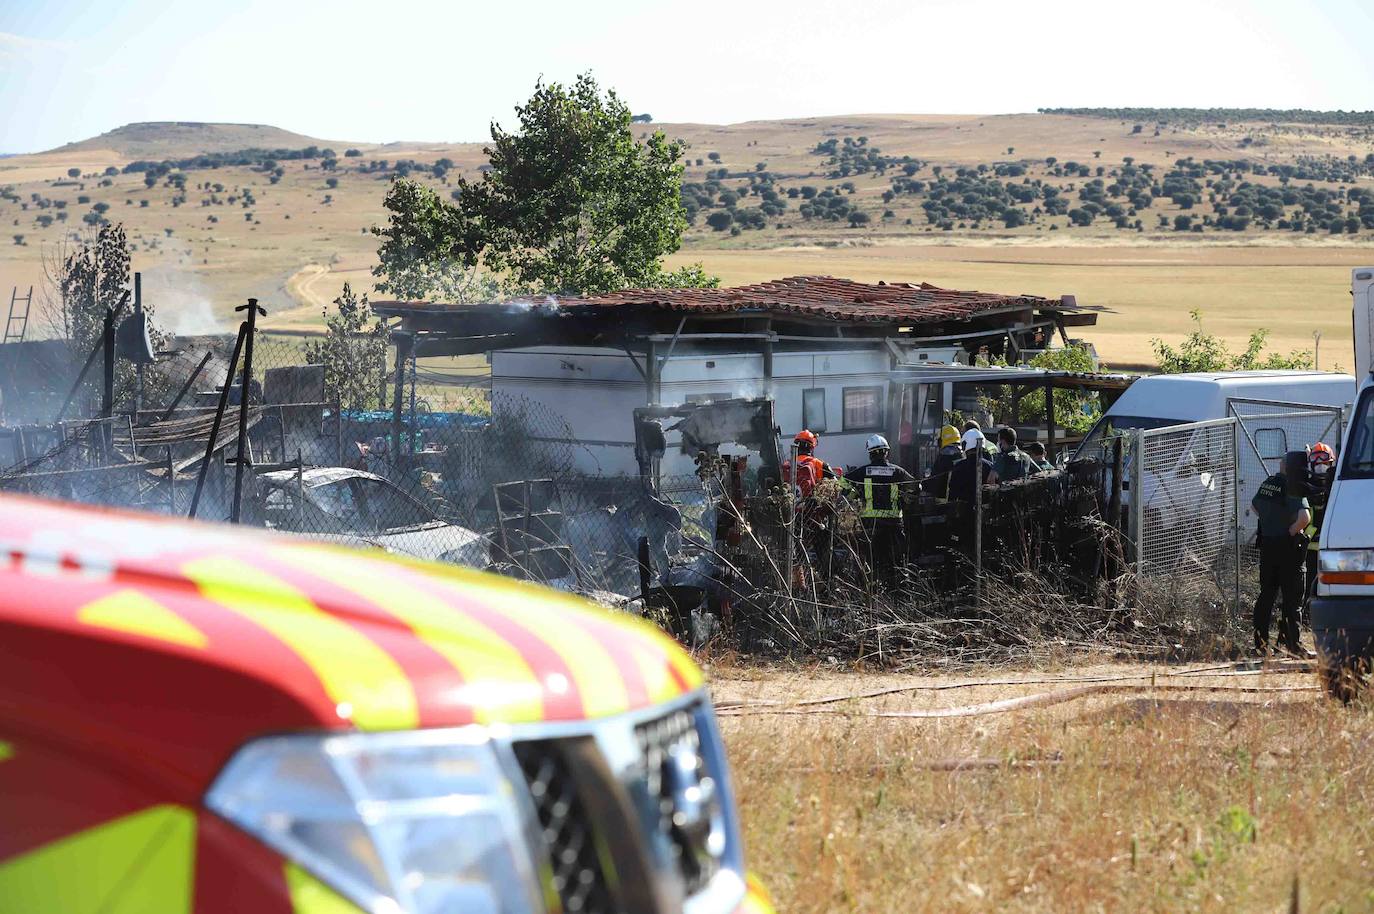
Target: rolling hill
{"x":181,"y":139}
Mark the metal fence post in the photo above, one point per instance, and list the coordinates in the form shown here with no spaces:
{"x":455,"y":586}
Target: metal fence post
{"x":1137,"y":495}
{"x":1235,"y":510}
{"x":219,"y":419}
{"x":243,"y":452}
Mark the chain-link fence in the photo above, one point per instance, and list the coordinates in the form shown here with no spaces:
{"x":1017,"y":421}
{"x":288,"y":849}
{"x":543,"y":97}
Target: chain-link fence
{"x":1268,"y":430}
{"x":452,"y":476}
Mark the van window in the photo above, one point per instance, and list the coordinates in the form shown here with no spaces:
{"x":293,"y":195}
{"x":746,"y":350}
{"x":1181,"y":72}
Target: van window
{"x":1357,"y":462}
{"x":1110,"y":426}
{"x":1272,"y":443}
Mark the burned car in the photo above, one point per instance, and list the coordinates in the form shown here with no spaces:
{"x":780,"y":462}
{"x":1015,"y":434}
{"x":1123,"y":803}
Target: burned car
{"x":356,"y":507}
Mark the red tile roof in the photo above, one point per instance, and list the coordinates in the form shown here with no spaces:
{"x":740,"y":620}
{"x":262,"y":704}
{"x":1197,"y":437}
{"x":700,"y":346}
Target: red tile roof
{"x":817,"y":297}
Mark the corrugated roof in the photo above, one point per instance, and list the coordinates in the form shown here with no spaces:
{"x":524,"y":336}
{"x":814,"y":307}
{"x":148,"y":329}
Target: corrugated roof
{"x":815,"y":297}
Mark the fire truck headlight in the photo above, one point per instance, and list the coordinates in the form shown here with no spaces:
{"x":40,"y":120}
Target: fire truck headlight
{"x":419,"y":822}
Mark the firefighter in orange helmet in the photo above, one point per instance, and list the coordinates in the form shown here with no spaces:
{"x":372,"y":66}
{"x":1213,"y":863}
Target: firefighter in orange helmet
{"x":810,"y":469}
{"x":1321,"y":470}
{"x":815,"y":518}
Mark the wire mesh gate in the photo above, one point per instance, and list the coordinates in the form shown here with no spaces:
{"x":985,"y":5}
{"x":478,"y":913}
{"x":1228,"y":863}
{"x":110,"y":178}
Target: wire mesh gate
{"x":1268,"y":429}
{"x":1184,"y":498}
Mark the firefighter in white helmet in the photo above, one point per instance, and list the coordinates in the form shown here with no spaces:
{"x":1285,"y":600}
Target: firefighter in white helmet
{"x":881,"y":487}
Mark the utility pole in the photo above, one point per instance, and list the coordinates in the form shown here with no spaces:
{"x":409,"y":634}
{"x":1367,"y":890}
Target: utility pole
{"x":1316,"y":350}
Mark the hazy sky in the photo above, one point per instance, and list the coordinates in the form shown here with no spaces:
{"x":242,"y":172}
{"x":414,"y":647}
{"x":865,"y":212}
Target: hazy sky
{"x":442,"y":69}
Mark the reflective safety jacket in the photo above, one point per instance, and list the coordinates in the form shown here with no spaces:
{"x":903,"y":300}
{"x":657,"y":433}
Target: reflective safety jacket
{"x":1317,"y":496}
{"x":810,"y":471}
{"x":879,"y":485}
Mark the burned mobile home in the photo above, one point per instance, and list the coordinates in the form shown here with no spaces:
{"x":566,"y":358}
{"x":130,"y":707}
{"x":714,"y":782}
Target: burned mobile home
{"x":843,"y":358}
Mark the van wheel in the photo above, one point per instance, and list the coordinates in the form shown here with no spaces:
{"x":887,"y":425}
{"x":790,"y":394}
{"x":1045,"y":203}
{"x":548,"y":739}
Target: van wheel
{"x":1340,"y":682}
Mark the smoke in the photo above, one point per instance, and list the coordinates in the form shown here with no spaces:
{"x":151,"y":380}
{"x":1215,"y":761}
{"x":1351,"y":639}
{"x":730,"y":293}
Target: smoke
{"x":548,"y":306}
{"x":181,"y":303}
{"x":195,"y":318}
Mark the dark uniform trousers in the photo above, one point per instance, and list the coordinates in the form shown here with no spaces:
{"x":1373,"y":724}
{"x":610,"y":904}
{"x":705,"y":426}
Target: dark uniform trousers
{"x":1281,"y":567}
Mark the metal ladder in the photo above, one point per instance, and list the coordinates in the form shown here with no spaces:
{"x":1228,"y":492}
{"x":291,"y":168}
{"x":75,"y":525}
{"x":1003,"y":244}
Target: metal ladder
{"x":18,"y":320}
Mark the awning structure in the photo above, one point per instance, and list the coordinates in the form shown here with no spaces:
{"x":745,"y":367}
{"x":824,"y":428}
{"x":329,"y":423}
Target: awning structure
{"x":819,"y":309}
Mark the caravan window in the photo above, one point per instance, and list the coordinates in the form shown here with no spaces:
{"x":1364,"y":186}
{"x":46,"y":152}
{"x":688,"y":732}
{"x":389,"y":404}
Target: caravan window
{"x":813,"y":409}
{"x":863,"y":409}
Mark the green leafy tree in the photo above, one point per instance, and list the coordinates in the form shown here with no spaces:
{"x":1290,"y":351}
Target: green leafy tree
{"x":353,"y":352}
{"x":571,"y":203}
{"x":82,"y":282}
{"x":1202,"y":351}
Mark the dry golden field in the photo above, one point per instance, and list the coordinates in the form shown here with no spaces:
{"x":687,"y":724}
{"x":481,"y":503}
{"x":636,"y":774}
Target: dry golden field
{"x":1208,"y":791}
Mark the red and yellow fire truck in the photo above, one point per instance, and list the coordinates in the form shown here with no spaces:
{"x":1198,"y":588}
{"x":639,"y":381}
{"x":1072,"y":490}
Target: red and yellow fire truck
{"x":198,"y":719}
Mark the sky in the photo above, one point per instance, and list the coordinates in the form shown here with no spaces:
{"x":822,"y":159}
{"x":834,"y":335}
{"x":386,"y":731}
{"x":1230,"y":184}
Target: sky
{"x":442,"y":70}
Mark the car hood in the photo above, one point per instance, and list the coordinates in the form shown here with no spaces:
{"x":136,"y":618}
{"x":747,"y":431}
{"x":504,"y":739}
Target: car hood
{"x":197,"y":637}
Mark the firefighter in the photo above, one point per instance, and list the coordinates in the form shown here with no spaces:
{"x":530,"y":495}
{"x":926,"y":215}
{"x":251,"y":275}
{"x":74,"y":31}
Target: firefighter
{"x":961,"y":478}
{"x":1284,"y":513}
{"x":1321,"y":470}
{"x":816,"y":527}
{"x":882,"y":486}
{"x":810,"y":469}
{"x":937,"y":483}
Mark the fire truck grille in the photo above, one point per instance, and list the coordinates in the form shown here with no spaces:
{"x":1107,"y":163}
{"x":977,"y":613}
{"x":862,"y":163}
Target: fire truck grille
{"x":578,"y":877}
{"x":658,"y":741}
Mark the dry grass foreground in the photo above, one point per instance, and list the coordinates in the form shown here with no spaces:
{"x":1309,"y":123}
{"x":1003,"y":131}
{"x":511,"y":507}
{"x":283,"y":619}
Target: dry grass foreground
{"x":1220,"y":796}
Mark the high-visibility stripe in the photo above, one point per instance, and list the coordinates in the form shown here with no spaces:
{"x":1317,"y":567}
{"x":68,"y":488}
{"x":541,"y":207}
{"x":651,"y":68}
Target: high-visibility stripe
{"x":366,"y":683}
{"x":870,"y":511}
{"x":6,"y":750}
{"x":562,"y":697}
{"x":497,"y":678}
{"x":137,"y":863}
{"x":756,"y":898}
{"x":310,"y":896}
{"x":135,"y":612}
{"x":598,"y":678}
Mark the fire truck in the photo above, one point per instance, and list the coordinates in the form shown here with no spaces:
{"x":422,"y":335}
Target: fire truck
{"x":197,"y":718}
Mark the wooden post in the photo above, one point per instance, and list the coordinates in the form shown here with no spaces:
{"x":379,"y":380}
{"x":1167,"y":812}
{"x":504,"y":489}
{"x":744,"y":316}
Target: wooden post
{"x":404,"y":343}
{"x":978,"y":529}
{"x":1051,"y":433}
{"x":650,"y":374}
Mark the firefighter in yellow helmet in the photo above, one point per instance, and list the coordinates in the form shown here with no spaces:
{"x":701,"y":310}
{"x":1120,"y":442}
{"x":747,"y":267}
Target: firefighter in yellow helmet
{"x":937,"y":483}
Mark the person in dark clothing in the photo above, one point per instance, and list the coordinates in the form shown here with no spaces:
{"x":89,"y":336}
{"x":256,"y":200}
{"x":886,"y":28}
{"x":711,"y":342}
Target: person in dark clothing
{"x":1321,"y":470}
{"x":937,"y":483}
{"x":1284,"y":514}
{"x":882,"y":486}
{"x":1011,"y":463}
{"x":961,"y":478}
{"x":1036,"y":452}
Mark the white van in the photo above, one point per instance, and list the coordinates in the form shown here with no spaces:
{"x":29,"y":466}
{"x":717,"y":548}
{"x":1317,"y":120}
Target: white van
{"x":1173,"y":399}
{"x":1343,"y":609}
{"x":1273,"y":427}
